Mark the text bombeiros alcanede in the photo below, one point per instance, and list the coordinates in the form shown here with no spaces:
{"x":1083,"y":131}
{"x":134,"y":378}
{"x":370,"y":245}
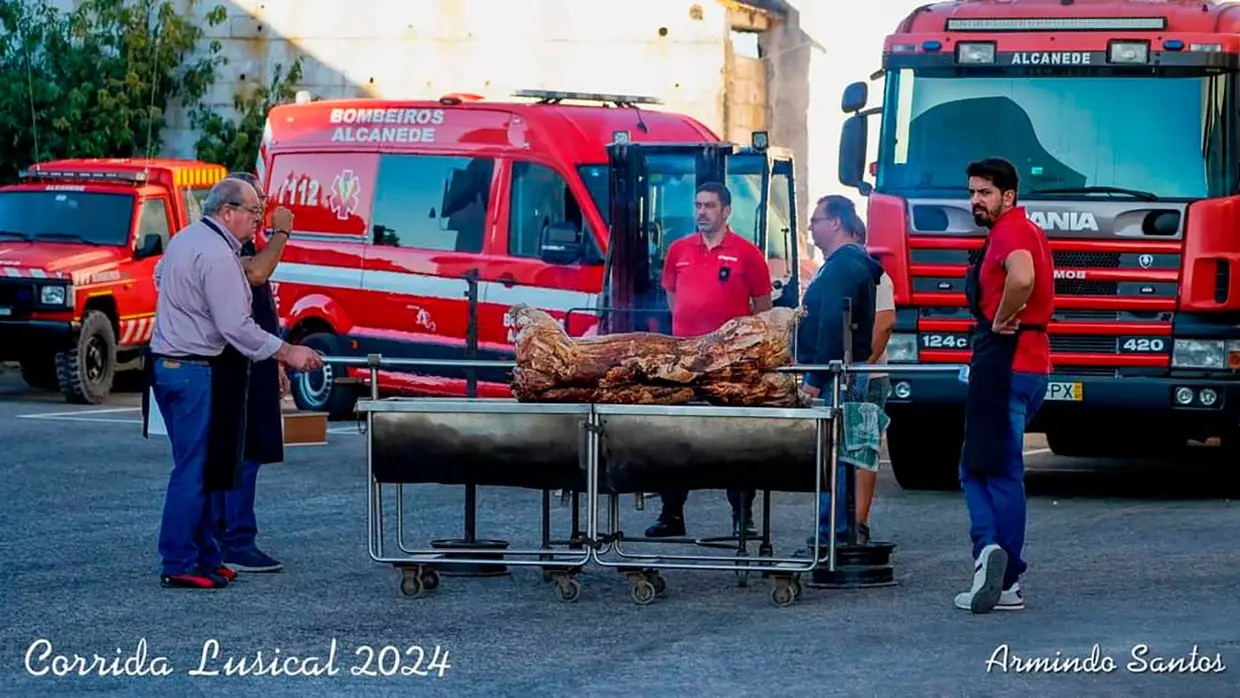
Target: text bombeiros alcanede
{"x":214,"y":659}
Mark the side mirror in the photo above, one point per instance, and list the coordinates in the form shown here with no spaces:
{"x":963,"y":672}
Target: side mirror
{"x":855,"y":97}
{"x":149,"y":246}
{"x":561,"y":243}
{"x":853,"y":141}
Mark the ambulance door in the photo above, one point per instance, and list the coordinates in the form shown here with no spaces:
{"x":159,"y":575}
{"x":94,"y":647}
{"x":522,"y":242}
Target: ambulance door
{"x":427,"y":237}
{"x":543,"y":203}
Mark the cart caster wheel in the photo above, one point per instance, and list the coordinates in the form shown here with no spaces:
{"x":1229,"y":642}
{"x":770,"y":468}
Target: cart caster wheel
{"x":567,"y":590}
{"x":783,"y":596}
{"x":411,"y":585}
{"x":430,"y":580}
{"x":643,"y":592}
{"x":796,"y":589}
{"x":658,"y":583}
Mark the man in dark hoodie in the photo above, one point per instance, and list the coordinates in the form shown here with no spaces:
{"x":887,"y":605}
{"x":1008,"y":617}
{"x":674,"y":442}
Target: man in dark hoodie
{"x":850,"y":273}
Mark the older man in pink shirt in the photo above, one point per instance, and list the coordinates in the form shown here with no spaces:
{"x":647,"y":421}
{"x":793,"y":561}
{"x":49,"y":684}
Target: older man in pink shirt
{"x":199,"y":362}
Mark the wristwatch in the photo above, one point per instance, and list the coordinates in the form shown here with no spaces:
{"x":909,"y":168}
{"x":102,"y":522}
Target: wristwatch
{"x":285,"y":233}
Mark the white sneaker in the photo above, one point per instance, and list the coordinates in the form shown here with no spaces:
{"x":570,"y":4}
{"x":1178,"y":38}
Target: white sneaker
{"x":987,"y":581}
{"x":1011,"y":600}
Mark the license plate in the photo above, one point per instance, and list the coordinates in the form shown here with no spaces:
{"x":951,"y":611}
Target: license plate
{"x":5,"y":312}
{"x":1069,"y":392}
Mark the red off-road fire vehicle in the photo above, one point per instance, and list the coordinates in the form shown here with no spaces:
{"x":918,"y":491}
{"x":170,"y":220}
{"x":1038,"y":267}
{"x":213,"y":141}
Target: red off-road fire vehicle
{"x":79,"y":240}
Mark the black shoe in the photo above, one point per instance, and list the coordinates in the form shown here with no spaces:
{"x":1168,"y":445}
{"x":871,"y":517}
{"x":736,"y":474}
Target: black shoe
{"x":668,"y":526}
{"x":750,"y":531}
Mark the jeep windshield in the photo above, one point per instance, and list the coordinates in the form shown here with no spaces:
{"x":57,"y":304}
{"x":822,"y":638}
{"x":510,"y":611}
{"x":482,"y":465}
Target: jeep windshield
{"x":58,"y":216}
{"x":1070,"y":135}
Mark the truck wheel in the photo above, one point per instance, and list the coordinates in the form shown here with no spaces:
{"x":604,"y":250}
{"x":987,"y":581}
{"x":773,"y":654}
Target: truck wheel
{"x":318,"y":391}
{"x":925,"y":452}
{"x":85,"y":372}
{"x":40,"y":373}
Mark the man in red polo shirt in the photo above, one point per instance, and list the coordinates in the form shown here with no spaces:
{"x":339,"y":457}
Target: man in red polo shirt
{"x":710,"y":278}
{"x":1011,"y":294}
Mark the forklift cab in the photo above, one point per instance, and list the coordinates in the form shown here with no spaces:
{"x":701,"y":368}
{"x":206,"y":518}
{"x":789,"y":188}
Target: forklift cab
{"x":652,"y":190}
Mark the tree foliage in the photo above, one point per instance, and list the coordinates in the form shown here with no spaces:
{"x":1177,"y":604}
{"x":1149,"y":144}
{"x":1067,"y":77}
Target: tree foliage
{"x":97,"y":81}
{"x":234,"y":144}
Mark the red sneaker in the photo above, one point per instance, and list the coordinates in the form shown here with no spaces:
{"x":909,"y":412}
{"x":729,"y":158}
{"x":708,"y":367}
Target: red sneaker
{"x":192,"y":580}
{"x":226,"y":573}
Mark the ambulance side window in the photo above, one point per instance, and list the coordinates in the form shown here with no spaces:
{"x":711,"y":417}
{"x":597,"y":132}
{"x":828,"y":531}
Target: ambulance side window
{"x":432,"y":202}
{"x":540,"y":197}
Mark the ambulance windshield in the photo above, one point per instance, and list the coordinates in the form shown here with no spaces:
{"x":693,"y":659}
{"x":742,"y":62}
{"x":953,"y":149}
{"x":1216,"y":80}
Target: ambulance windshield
{"x":59,"y":216}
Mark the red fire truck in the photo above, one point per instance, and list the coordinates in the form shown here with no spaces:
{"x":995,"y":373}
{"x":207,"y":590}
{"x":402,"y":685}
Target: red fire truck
{"x":398,"y":204}
{"x":79,"y":240}
{"x":1121,"y":118}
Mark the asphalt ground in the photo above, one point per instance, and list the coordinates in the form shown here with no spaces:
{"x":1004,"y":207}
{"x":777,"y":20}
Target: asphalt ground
{"x":1121,"y":558}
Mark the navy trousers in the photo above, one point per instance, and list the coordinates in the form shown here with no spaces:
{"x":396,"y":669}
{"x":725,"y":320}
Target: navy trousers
{"x":996,"y":503}
{"x":186,"y":536}
{"x":236,"y":526}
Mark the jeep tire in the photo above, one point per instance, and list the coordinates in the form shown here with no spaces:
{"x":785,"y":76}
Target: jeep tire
{"x":318,"y":391}
{"x":925,"y":451}
{"x":85,"y":372}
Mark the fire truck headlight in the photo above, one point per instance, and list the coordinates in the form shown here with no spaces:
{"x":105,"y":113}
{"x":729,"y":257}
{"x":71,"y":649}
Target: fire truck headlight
{"x":975,"y":53}
{"x":52,"y":295}
{"x":1130,"y":52}
{"x":902,"y":349}
{"x":1198,"y":353}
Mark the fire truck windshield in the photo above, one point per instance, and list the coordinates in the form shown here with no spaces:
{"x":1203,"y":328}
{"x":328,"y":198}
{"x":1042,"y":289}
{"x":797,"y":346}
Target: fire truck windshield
{"x":1171,"y":135}
{"x":61,"y":216}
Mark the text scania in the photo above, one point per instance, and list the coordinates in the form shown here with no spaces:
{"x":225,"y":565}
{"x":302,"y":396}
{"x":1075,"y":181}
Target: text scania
{"x":1073,"y":221}
{"x":387,"y":125}
{"x":1051,"y":58}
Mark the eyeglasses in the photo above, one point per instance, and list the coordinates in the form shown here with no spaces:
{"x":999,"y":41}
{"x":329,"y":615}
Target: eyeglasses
{"x":253,"y":210}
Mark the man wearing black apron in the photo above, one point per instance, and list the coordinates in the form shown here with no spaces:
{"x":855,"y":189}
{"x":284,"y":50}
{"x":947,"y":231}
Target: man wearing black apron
{"x":235,"y":522}
{"x":198,"y":367}
{"x":1010,"y":290}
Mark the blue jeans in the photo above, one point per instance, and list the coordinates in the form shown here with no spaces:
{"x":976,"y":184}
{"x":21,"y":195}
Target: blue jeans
{"x":186,"y":536}
{"x":996,"y":503}
{"x":858,"y":393}
{"x":233,"y":512}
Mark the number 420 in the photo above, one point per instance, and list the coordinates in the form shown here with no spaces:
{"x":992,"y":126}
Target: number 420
{"x":1143,"y":344}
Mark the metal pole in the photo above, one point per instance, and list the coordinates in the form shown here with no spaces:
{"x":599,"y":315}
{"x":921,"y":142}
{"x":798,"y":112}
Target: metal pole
{"x":850,"y":477}
{"x":471,"y":391}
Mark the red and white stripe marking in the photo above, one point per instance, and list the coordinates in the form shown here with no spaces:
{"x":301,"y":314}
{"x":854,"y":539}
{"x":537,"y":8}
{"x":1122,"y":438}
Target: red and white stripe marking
{"x":28,"y":273}
{"x":137,"y":331}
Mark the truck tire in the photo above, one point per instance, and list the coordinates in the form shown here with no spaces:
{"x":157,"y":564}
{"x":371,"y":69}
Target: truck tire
{"x":317,"y":391}
{"x":86,"y":371}
{"x":925,"y":452}
{"x":40,"y":373}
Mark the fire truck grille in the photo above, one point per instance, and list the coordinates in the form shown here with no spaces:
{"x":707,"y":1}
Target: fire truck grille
{"x":1082,"y":344}
{"x":1074,"y":260}
{"x":1077,"y":287}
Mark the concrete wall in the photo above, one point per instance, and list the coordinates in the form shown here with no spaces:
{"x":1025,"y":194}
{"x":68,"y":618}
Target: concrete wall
{"x":677,"y":50}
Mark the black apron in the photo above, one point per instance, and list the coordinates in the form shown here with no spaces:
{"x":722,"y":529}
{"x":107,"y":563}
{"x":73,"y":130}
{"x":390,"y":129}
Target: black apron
{"x":987,"y":431}
{"x":230,"y":383}
{"x":264,"y":431}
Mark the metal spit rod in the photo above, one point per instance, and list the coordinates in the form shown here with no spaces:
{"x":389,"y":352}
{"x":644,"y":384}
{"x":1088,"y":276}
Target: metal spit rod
{"x":378,"y":360}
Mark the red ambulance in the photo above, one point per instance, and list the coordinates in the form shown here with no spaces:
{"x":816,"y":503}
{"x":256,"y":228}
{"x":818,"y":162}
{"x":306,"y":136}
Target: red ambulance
{"x":396,"y":203}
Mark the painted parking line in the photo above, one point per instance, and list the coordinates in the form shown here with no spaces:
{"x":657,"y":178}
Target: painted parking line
{"x":86,"y":415}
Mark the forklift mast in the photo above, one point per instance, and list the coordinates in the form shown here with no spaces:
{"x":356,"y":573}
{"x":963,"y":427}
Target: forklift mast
{"x":652,"y":189}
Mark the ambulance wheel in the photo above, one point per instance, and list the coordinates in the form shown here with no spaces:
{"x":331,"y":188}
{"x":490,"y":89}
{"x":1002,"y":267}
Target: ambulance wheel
{"x":925,"y":452}
{"x":318,"y":391}
{"x":86,"y":371}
